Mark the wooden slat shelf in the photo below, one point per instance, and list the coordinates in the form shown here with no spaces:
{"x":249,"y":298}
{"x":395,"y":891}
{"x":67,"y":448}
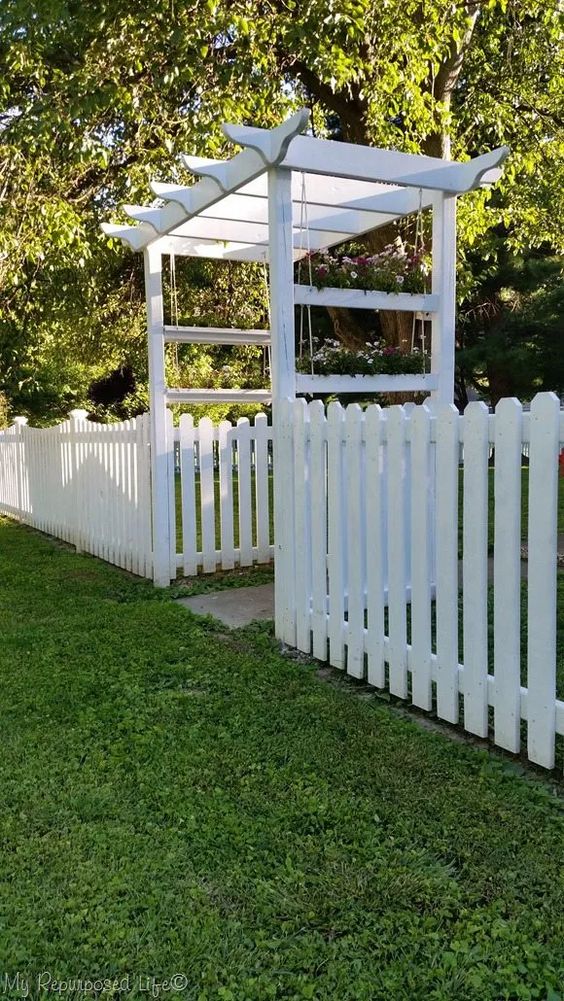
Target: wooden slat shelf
{"x":218,"y":395}
{"x":354,"y":298}
{"x":214,"y":335}
{"x":404,"y":383}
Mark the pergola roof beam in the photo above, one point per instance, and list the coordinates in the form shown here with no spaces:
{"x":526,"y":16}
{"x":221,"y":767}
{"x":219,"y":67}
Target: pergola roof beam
{"x":371,"y":164}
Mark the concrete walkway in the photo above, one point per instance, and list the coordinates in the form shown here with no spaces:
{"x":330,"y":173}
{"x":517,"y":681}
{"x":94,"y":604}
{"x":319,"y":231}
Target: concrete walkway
{"x":235,"y":607}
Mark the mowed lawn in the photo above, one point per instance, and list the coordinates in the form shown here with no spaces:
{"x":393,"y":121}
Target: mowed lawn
{"x":182,"y":802}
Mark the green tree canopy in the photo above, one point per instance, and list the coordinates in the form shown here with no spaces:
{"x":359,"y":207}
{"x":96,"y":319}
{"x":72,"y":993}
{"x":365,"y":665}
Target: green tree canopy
{"x":97,"y":98}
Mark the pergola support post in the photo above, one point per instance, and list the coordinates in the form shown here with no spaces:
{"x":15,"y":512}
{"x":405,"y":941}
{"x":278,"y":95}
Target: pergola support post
{"x":444,"y":286}
{"x":283,"y":376}
{"x":158,"y":417}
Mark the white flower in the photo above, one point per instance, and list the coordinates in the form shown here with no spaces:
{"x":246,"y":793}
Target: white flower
{"x":400,"y":279}
{"x":354,"y":274}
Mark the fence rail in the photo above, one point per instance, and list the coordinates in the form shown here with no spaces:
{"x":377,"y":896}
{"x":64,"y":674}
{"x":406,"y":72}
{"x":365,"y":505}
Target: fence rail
{"x":389,"y":569}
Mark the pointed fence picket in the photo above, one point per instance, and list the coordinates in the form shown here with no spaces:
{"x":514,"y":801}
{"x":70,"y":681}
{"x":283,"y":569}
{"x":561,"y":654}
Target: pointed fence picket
{"x":224,"y":484}
{"x":394,"y":568}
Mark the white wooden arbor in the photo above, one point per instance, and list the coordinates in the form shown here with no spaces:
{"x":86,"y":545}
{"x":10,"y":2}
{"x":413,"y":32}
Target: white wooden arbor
{"x":252,"y":207}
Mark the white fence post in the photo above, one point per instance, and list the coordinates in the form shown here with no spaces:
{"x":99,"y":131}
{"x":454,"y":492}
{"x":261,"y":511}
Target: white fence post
{"x":159,"y":428}
{"x":19,"y":462}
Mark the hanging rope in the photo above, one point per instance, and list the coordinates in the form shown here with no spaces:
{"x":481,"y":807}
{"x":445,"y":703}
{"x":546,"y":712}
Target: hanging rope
{"x":266,"y":361}
{"x":173,"y":301}
{"x":304,"y":224}
{"x":418,"y":238}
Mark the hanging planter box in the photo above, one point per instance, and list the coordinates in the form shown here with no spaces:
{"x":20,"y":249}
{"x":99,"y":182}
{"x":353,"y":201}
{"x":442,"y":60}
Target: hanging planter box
{"x":355,"y":298}
{"x":402,"y":383}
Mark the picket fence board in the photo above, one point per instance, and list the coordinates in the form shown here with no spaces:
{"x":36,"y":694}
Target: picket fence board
{"x":355,"y":534}
{"x":188,"y":496}
{"x":507,"y":569}
{"x":447,"y":562}
{"x":302,"y":530}
{"x":397,"y":609}
{"x":207,"y":493}
{"x":375,"y":546}
{"x":421,"y":567}
{"x":318,"y":501}
{"x":262,"y":505}
{"x":541,"y":591}
{"x":244,"y":491}
{"x":475,"y":569}
{"x":284,"y":528}
{"x":336,"y":540}
{"x":227,"y":541}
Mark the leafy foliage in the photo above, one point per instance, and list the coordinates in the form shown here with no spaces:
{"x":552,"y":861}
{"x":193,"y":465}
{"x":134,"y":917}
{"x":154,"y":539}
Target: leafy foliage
{"x":97,"y":98}
{"x":511,"y":329}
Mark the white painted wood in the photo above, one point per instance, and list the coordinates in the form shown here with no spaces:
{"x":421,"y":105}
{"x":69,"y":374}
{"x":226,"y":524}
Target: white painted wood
{"x":507,"y":574}
{"x":262,"y":501}
{"x":397,"y":651}
{"x":215,"y":335}
{"x":188,"y":488}
{"x":218,"y":396}
{"x":447,"y":561}
{"x":421,"y":563}
{"x":355,"y":298}
{"x":225,"y":434}
{"x":243,"y":439}
{"x":318,"y":496}
{"x":157,"y":389}
{"x":355,"y":541}
{"x":541,"y":590}
{"x":207,"y":494}
{"x":367,"y":163}
{"x":375,"y":544}
{"x":327,"y":384}
{"x":444,"y":291}
{"x":282,"y":368}
{"x":281,"y":286}
{"x":284,"y":525}
{"x":475,"y":569}
{"x":171,"y":495}
{"x":336,"y":561}
{"x":302,"y":516}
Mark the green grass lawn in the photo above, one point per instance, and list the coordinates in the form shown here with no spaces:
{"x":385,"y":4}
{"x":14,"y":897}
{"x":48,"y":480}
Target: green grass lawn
{"x":181,"y":800}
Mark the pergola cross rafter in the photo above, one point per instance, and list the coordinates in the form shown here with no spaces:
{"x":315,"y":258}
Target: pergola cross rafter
{"x":347,"y":191}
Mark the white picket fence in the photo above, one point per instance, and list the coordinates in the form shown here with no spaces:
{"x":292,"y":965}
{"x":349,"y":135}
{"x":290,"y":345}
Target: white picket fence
{"x":90,"y":484}
{"x":369,"y":575}
{"x":225,"y":480}
{"x":83,"y":482}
